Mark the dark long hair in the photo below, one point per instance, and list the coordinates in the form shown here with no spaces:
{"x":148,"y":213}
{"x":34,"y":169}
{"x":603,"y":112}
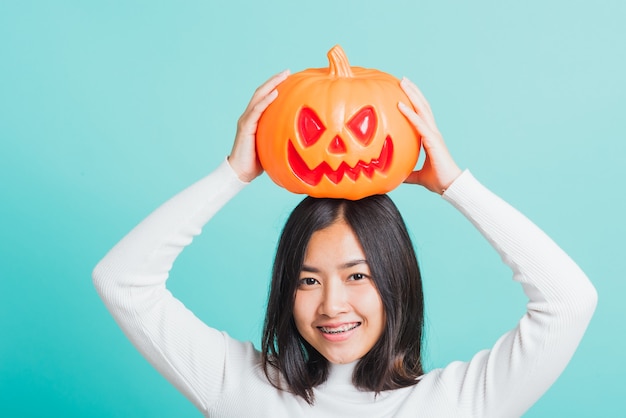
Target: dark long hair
{"x":292,"y":364}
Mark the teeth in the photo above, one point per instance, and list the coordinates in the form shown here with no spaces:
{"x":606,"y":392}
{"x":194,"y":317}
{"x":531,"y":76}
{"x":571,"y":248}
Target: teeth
{"x":343,"y":328}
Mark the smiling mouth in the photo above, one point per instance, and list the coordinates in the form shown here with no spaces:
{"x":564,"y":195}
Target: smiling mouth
{"x":312,"y":177}
{"x":339,"y":329}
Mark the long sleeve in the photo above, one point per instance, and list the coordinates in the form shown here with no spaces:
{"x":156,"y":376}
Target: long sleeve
{"x":506,"y":380}
{"x":131,"y":281}
{"x":223,"y":377}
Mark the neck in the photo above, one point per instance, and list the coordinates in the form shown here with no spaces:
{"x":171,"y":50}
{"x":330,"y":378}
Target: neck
{"x":341,"y":374}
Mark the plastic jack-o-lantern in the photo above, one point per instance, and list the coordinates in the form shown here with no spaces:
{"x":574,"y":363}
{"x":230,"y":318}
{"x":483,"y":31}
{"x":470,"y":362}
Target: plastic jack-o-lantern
{"x":337,"y":132}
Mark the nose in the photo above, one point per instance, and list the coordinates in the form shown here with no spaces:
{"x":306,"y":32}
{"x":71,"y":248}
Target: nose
{"x":337,"y":146}
{"x":335,"y":299}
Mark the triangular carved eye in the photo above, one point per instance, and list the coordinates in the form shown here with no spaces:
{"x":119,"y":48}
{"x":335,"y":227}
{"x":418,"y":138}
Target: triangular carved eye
{"x":363,"y":125}
{"x":310,"y":126}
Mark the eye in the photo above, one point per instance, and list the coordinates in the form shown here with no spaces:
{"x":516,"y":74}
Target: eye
{"x":358,"y":276}
{"x":310,"y":126}
{"x":308,"y":281}
{"x":363,"y":125}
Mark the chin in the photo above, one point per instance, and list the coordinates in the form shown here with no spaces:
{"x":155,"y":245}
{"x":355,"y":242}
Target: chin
{"x":342,"y":359}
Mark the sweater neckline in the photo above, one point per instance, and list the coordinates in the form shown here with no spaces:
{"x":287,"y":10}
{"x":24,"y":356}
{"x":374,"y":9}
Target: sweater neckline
{"x":339,"y":387}
{"x":341,"y":374}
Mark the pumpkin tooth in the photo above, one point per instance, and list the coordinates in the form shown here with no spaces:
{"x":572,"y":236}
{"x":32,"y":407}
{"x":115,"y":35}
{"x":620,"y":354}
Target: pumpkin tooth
{"x":335,"y":175}
{"x":367,"y":169}
{"x":352,"y":174}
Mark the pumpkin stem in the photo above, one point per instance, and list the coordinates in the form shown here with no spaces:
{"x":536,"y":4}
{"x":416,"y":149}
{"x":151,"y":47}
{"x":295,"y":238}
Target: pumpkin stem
{"x":338,"y":63}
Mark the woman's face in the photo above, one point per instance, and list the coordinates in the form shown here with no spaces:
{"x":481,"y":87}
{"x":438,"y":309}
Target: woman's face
{"x":338,"y":309}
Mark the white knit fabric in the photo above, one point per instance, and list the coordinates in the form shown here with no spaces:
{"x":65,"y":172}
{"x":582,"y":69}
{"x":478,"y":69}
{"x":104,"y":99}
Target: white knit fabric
{"x":224,"y":378}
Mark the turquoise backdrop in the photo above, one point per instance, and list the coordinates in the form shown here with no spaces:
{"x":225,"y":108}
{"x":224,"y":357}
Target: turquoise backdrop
{"x":107,"y":108}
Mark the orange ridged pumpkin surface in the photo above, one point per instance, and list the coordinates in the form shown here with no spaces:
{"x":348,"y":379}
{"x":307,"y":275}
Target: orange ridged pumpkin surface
{"x":337,"y":132}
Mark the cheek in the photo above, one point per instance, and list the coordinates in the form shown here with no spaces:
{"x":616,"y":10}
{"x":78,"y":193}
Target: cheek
{"x":303,"y":309}
{"x":371,"y":304}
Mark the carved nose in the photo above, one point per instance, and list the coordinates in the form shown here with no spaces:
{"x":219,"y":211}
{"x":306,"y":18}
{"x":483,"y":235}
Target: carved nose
{"x":337,"y":146}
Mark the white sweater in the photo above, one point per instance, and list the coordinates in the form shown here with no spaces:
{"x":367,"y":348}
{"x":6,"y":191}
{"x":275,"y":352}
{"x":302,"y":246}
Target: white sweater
{"x":224,"y":377}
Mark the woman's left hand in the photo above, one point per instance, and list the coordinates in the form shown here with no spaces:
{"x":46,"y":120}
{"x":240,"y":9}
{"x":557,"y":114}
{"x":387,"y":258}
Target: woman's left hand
{"x":439,"y":169}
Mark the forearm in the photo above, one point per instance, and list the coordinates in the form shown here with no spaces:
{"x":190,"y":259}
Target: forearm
{"x":536,"y":261}
{"x":146,"y":254}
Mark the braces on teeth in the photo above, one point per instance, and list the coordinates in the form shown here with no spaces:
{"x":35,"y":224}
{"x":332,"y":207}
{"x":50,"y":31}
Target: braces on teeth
{"x":340,"y":330}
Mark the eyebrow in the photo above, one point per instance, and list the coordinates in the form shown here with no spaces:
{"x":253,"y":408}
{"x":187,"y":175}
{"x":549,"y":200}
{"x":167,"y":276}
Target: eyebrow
{"x":347,"y":265}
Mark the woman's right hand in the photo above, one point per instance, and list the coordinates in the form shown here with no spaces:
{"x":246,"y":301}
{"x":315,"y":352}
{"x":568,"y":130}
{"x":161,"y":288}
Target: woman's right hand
{"x":243,"y":158}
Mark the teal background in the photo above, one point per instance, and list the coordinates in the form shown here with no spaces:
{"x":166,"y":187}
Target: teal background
{"x":109,"y":108}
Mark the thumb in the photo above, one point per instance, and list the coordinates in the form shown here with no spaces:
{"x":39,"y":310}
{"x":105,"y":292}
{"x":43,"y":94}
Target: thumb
{"x":414,"y":178}
{"x":419,"y":176}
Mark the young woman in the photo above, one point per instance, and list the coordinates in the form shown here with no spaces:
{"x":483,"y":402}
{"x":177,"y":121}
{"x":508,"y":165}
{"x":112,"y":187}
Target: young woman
{"x":343,"y":329}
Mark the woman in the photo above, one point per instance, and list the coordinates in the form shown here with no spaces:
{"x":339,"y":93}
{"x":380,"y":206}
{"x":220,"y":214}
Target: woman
{"x":343,"y":328}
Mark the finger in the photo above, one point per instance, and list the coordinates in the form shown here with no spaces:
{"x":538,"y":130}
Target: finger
{"x":422,"y":107}
{"x":250,"y":118}
{"x":418,"y":176}
{"x":426,"y":127}
{"x":432,"y":141}
{"x":411,"y":87}
{"x":265,"y":88}
{"x":422,"y":126}
{"x":261,"y":105}
{"x":418,"y":100}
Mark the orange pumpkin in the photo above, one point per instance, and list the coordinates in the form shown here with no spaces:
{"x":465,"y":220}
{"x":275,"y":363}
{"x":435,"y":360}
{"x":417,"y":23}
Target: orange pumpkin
{"x":337,"y":132}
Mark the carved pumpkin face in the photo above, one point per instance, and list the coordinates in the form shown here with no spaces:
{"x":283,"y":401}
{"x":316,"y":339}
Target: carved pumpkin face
{"x":337,"y":132}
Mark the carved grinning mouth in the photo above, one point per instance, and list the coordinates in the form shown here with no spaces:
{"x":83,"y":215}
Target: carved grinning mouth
{"x":313,"y":176}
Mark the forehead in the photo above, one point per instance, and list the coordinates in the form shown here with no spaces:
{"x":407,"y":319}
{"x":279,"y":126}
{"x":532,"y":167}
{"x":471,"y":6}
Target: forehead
{"x":337,"y":243}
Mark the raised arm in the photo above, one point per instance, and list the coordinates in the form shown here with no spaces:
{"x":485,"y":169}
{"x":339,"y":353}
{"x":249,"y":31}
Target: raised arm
{"x":510,"y":377}
{"x":131,"y":278}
